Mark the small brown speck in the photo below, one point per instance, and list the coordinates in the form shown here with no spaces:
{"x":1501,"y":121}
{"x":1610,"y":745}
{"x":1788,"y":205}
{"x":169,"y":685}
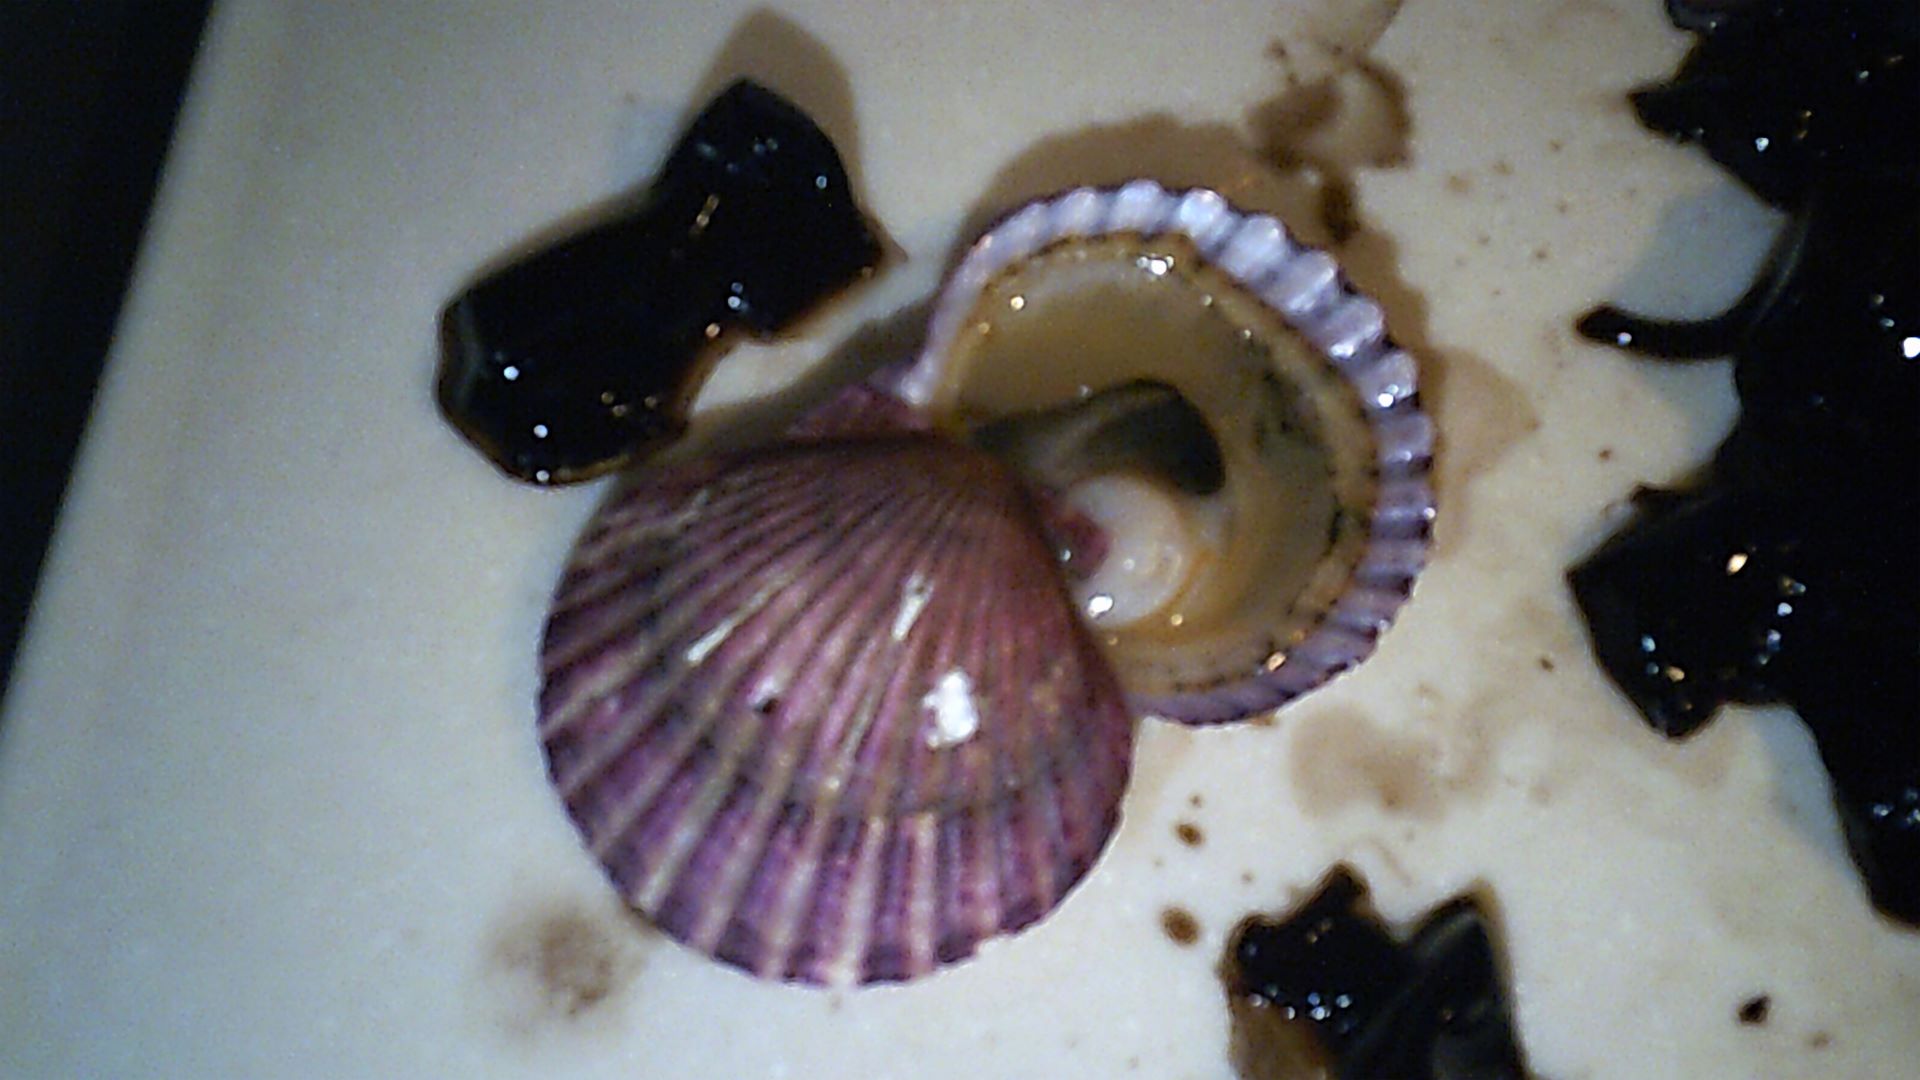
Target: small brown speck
{"x":1554,"y":146}
{"x":1819,"y":1040}
{"x":1541,"y":254}
{"x":1503,"y":167}
{"x":1459,"y":183}
{"x":1189,"y":834}
{"x":1180,"y":925}
{"x":1159,"y":863}
{"x":1246,"y":877}
{"x":1545,"y":662}
{"x":1483,"y":239}
{"x":1606,"y":453}
{"x":1561,"y":207}
{"x":1339,"y":213}
{"x":1194,"y":800}
{"x":1754,"y":1009}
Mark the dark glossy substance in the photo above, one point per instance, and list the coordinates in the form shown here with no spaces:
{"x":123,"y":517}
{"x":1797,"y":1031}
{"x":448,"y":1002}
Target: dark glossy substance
{"x":570,"y":361}
{"x":1782,"y":91}
{"x":1791,"y":571}
{"x":1430,"y":1007}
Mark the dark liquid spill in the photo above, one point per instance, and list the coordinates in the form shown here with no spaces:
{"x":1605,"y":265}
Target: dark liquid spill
{"x":1788,"y":573}
{"x":573,"y":360}
{"x":1328,"y":990}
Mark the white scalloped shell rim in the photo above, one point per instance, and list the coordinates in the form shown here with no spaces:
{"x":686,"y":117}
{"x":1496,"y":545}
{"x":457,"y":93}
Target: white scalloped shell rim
{"x":1306,"y":288}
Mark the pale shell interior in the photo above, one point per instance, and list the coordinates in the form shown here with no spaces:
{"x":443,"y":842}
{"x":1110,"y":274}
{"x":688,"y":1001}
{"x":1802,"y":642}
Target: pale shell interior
{"x":1268,"y":554}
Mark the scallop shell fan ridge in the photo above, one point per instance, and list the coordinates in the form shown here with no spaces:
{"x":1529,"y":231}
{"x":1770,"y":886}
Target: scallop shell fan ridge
{"x":823,"y":710}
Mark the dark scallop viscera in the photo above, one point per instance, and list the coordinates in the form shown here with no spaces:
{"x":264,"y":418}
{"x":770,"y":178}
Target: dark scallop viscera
{"x":567,"y":363}
{"x":1432,"y":1007}
{"x":1788,"y":573}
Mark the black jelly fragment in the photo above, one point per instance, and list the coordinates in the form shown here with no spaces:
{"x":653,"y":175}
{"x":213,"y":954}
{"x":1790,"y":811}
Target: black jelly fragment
{"x":570,"y":361}
{"x":1790,"y":570}
{"x":1781,"y":92}
{"x":1431,"y":1006}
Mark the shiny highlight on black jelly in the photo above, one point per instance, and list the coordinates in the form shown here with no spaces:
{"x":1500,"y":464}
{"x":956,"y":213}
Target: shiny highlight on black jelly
{"x":1790,"y":571}
{"x":586,"y":353}
{"x":1332,"y":990}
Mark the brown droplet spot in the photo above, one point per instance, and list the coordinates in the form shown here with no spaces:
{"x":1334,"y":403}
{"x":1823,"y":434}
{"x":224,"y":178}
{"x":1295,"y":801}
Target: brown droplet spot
{"x":1754,"y":1009}
{"x":1502,"y":167}
{"x":1562,"y":207}
{"x":1605,"y":454}
{"x":1459,"y":183}
{"x":1194,"y":800}
{"x":1819,"y":1040}
{"x":1179,"y":925}
{"x":1554,"y":146}
{"x":1246,"y":877}
{"x":1189,"y":834}
{"x":1545,"y":662}
{"x":562,"y":965}
{"x":1483,"y":239}
{"x":1541,"y":254}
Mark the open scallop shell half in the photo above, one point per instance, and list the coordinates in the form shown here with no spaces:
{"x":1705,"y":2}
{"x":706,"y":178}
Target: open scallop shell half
{"x":1216,"y":601}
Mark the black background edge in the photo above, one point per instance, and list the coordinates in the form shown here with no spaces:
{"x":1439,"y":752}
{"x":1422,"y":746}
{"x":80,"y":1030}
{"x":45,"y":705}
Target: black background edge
{"x":89,"y":94}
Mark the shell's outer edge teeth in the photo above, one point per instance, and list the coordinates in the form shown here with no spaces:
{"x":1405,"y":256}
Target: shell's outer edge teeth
{"x":1406,"y":441}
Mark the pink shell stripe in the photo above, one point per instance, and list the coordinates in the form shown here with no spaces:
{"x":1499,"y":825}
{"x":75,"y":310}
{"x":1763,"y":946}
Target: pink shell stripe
{"x":1305,"y":287}
{"x":824,"y":711}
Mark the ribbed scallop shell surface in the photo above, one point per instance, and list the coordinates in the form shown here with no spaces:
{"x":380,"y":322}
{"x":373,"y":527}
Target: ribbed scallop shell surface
{"x":822,"y":711}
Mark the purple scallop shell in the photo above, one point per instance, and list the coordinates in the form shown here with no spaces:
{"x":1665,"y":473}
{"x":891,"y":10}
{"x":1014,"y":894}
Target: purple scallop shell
{"x":824,"y":711}
{"x":1305,"y":287}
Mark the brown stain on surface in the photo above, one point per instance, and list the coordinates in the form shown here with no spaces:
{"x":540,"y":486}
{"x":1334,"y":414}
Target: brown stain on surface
{"x":1341,"y":758}
{"x":563,"y":965}
{"x":1189,"y":834}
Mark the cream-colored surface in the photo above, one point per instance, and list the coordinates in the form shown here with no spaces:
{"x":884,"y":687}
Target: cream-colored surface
{"x":270,"y":800}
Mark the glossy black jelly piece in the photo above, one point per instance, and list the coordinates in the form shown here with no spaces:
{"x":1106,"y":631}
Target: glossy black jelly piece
{"x":1791,"y":570}
{"x":1782,"y":91}
{"x":1433,"y":1006}
{"x":1693,"y":605}
{"x":569,"y":361}
{"x":1831,"y":369}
